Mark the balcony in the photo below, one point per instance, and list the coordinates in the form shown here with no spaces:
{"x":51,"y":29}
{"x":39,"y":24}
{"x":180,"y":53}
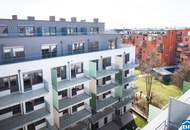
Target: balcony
{"x":20,"y":121}
{"x":101,"y":115}
{"x":129,"y":79}
{"x":67,"y":121}
{"x":129,"y":92}
{"x":125,"y":102}
{"x":67,"y":83}
{"x":14,"y":99}
{"x":104,"y":88}
{"x":130,"y":65}
{"x":100,"y":73}
{"x":105,"y":103}
{"x":63,"y":103}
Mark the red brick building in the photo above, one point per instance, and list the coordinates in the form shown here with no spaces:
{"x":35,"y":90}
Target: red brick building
{"x":171,"y":46}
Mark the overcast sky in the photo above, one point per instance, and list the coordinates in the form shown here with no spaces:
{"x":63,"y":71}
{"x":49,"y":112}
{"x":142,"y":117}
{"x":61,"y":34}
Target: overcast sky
{"x":115,"y":13}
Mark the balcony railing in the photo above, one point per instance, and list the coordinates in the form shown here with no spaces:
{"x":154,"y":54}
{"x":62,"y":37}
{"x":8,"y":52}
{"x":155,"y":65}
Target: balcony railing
{"x":130,"y":78}
{"x":20,"y":121}
{"x":131,"y":65}
{"x":63,"y":103}
{"x":101,"y":104}
{"x":37,"y":57}
{"x":103,"y":88}
{"x":69,"y":120}
{"x":14,"y":99}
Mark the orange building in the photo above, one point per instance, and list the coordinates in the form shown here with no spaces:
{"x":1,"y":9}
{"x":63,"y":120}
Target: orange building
{"x":171,"y":46}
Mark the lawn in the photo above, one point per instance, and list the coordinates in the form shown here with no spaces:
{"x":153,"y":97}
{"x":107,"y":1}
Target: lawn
{"x":161,"y":92}
{"x":137,"y":122}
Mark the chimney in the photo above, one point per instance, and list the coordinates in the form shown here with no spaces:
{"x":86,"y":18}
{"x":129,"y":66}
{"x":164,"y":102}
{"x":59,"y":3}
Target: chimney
{"x":31,"y":18}
{"x":95,"y":20}
{"x":51,"y":18}
{"x":14,"y":17}
{"x":62,"y":19}
{"x":73,"y":19}
{"x":83,"y":20}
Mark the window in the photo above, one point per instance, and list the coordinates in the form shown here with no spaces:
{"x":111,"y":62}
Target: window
{"x":74,"y":108}
{"x":106,"y":62}
{"x":32,"y":79}
{"x":10,"y":82}
{"x":13,"y":52}
{"x":83,"y":30}
{"x":126,"y":73}
{"x":52,"y":31}
{"x":126,"y":86}
{"x":107,"y":93}
{"x":78,"y":47}
{"x":16,"y":110}
{"x":93,"y":46}
{"x":76,"y":69}
{"x":25,"y":30}
{"x":39,"y":101}
{"x":77,"y":88}
{"x":65,"y":112}
{"x":40,"y":121}
{"x":126,"y":58}
{"x":3,"y":31}
{"x":62,"y":72}
{"x":63,"y":93}
{"x":106,"y":79}
{"x":94,"y":30}
{"x":72,"y":31}
{"x":45,"y":31}
{"x":112,"y":44}
{"x":64,"y":31}
{"x":49,"y":50}
{"x":105,"y":120}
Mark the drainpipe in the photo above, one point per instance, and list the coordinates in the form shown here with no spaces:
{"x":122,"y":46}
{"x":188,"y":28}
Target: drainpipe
{"x":61,"y":42}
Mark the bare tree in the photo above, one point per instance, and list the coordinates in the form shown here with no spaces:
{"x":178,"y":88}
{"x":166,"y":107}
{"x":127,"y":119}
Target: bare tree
{"x":181,"y":74}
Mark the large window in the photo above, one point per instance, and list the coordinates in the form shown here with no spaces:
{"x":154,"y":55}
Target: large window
{"x":93,"y":46}
{"x":74,"y":108}
{"x":126,"y":73}
{"x":52,"y":31}
{"x":76,"y":69}
{"x":94,"y":30}
{"x":126,"y":58}
{"x":32,"y":78}
{"x":30,"y":105}
{"x":10,"y":82}
{"x":49,"y":50}
{"x":64,"y":31}
{"x":62,"y":72}
{"x":77,"y":88}
{"x":63,"y":93}
{"x":78,"y":47}
{"x":13,"y":52}
{"x":72,"y":30}
{"x":106,"y":62}
{"x":83,"y":31}
{"x":25,"y":30}
{"x":45,"y":31}
{"x":3,"y":31}
{"x":112,"y":44}
{"x":108,"y":78}
{"x":16,"y":110}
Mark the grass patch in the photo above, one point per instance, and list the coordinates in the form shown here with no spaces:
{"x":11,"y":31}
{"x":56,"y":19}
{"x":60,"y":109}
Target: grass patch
{"x":161,"y":92}
{"x":137,"y":122}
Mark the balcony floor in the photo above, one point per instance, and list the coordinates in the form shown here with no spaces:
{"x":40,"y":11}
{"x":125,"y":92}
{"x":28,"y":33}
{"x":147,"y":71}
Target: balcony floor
{"x":19,"y":121}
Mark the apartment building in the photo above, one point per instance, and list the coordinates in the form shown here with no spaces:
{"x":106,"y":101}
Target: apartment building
{"x":63,"y":74}
{"x":172,"y":118}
